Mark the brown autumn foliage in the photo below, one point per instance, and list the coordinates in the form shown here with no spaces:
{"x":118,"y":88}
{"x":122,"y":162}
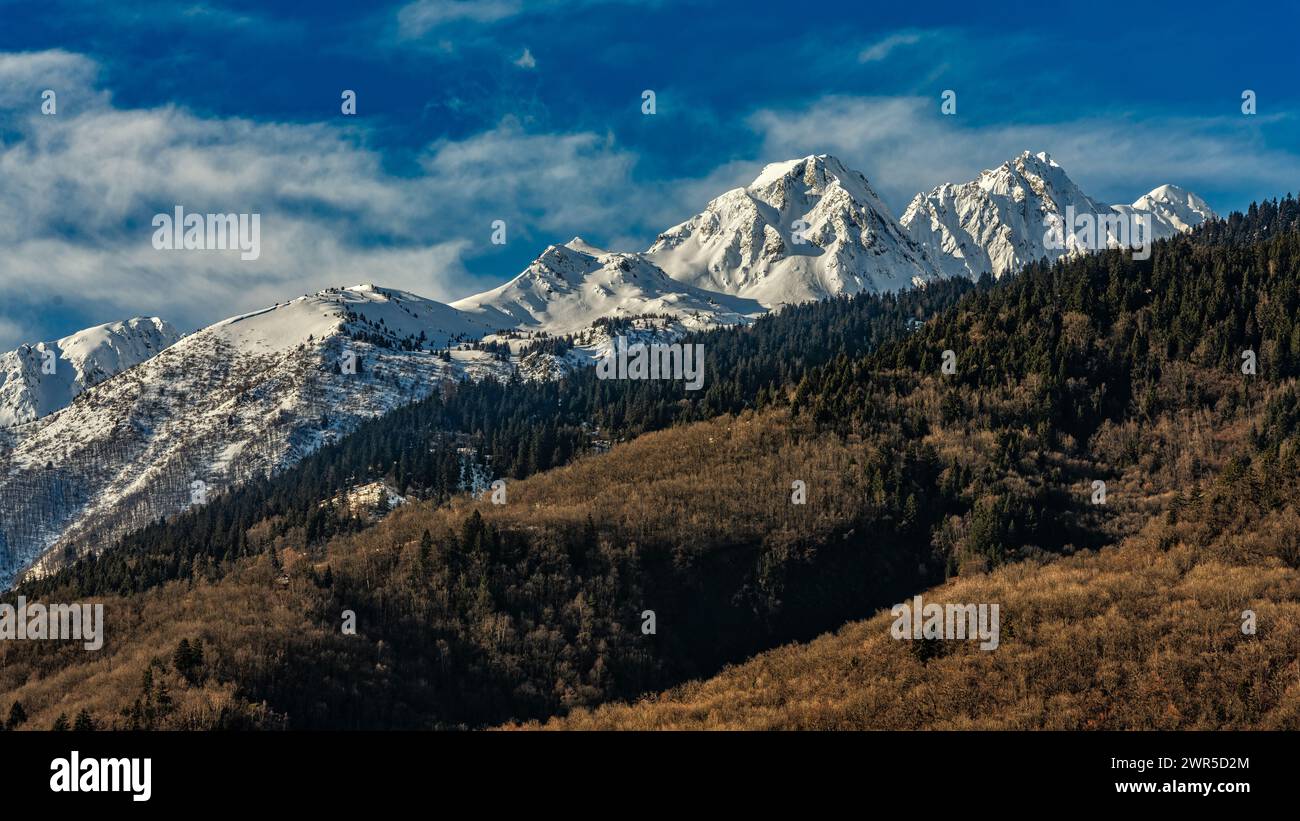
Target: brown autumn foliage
{"x":268,"y":622}
{"x":1145,"y":634}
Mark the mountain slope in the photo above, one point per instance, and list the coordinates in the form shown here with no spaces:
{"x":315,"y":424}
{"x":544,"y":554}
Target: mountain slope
{"x":79,"y":361}
{"x":804,"y":229}
{"x":429,"y":448}
{"x":1144,"y":635}
{"x":240,"y":399}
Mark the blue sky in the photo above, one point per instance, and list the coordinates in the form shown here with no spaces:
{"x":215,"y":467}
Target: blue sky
{"x":235,"y":107}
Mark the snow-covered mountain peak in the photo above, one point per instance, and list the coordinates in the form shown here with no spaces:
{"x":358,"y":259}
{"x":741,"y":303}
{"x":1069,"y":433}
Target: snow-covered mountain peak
{"x":1037,"y":177}
{"x":814,"y":170}
{"x":240,"y":399}
{"x":570,"y":286}
{"x":1178,"y":208}
{"x":1033,"y":159}
{"x":582,"y":246}
{"x":1002,"y":220}
{"x":1171,"y":193}
{"x":803,"y":182}
{"x":28,"y":390}
{"x":803,"y":229}
{"x":368,"y":308}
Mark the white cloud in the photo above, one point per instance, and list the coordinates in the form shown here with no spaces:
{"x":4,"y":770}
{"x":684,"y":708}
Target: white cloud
{"x":526,"y":60}
{"x":422,"y":16}
{"x":13,"y":334}
{"x":881,"y":48}
{"x":81,"y":188}
{"x":26,"y":74}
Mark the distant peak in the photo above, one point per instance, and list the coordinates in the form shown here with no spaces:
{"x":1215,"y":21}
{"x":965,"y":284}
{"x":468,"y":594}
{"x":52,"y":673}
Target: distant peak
{"x":1025,"y":166}
{"x":1174,"y":199}
{"x":582,"y":246}
{"x":1041,"y":156}
{"x":1168,"y":191}
{"x":825,"y":163}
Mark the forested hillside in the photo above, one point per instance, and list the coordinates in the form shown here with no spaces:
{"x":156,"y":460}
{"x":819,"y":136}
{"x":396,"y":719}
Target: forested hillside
{"x":505,"y":430}
{"x":1147,"y":634}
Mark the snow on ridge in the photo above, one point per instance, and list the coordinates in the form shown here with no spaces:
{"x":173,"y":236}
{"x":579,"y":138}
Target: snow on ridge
{"x":571,"y":286}
{"x":296,"y":322}
{"x":241,"y":399}
{"x":79,"y":361}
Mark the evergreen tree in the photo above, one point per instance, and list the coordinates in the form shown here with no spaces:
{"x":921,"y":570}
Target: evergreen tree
{"x":183,"y":657}
{"x":84,"y":723}
{"x":17,"y":716}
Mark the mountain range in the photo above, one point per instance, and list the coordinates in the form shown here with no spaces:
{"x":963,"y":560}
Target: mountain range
{"x":1000,"y":221}
{"x":134,"y":420}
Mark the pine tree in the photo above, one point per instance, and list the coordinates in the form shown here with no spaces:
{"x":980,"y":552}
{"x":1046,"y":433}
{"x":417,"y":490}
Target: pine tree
{"x":164,"y":699}
{"x":426,"y":550}
{"x":17,"y":716}
{"x":60,"y":723}
{"x":135,"y":716}
{"x":84,"y":723}
{"x":183,"y":658}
